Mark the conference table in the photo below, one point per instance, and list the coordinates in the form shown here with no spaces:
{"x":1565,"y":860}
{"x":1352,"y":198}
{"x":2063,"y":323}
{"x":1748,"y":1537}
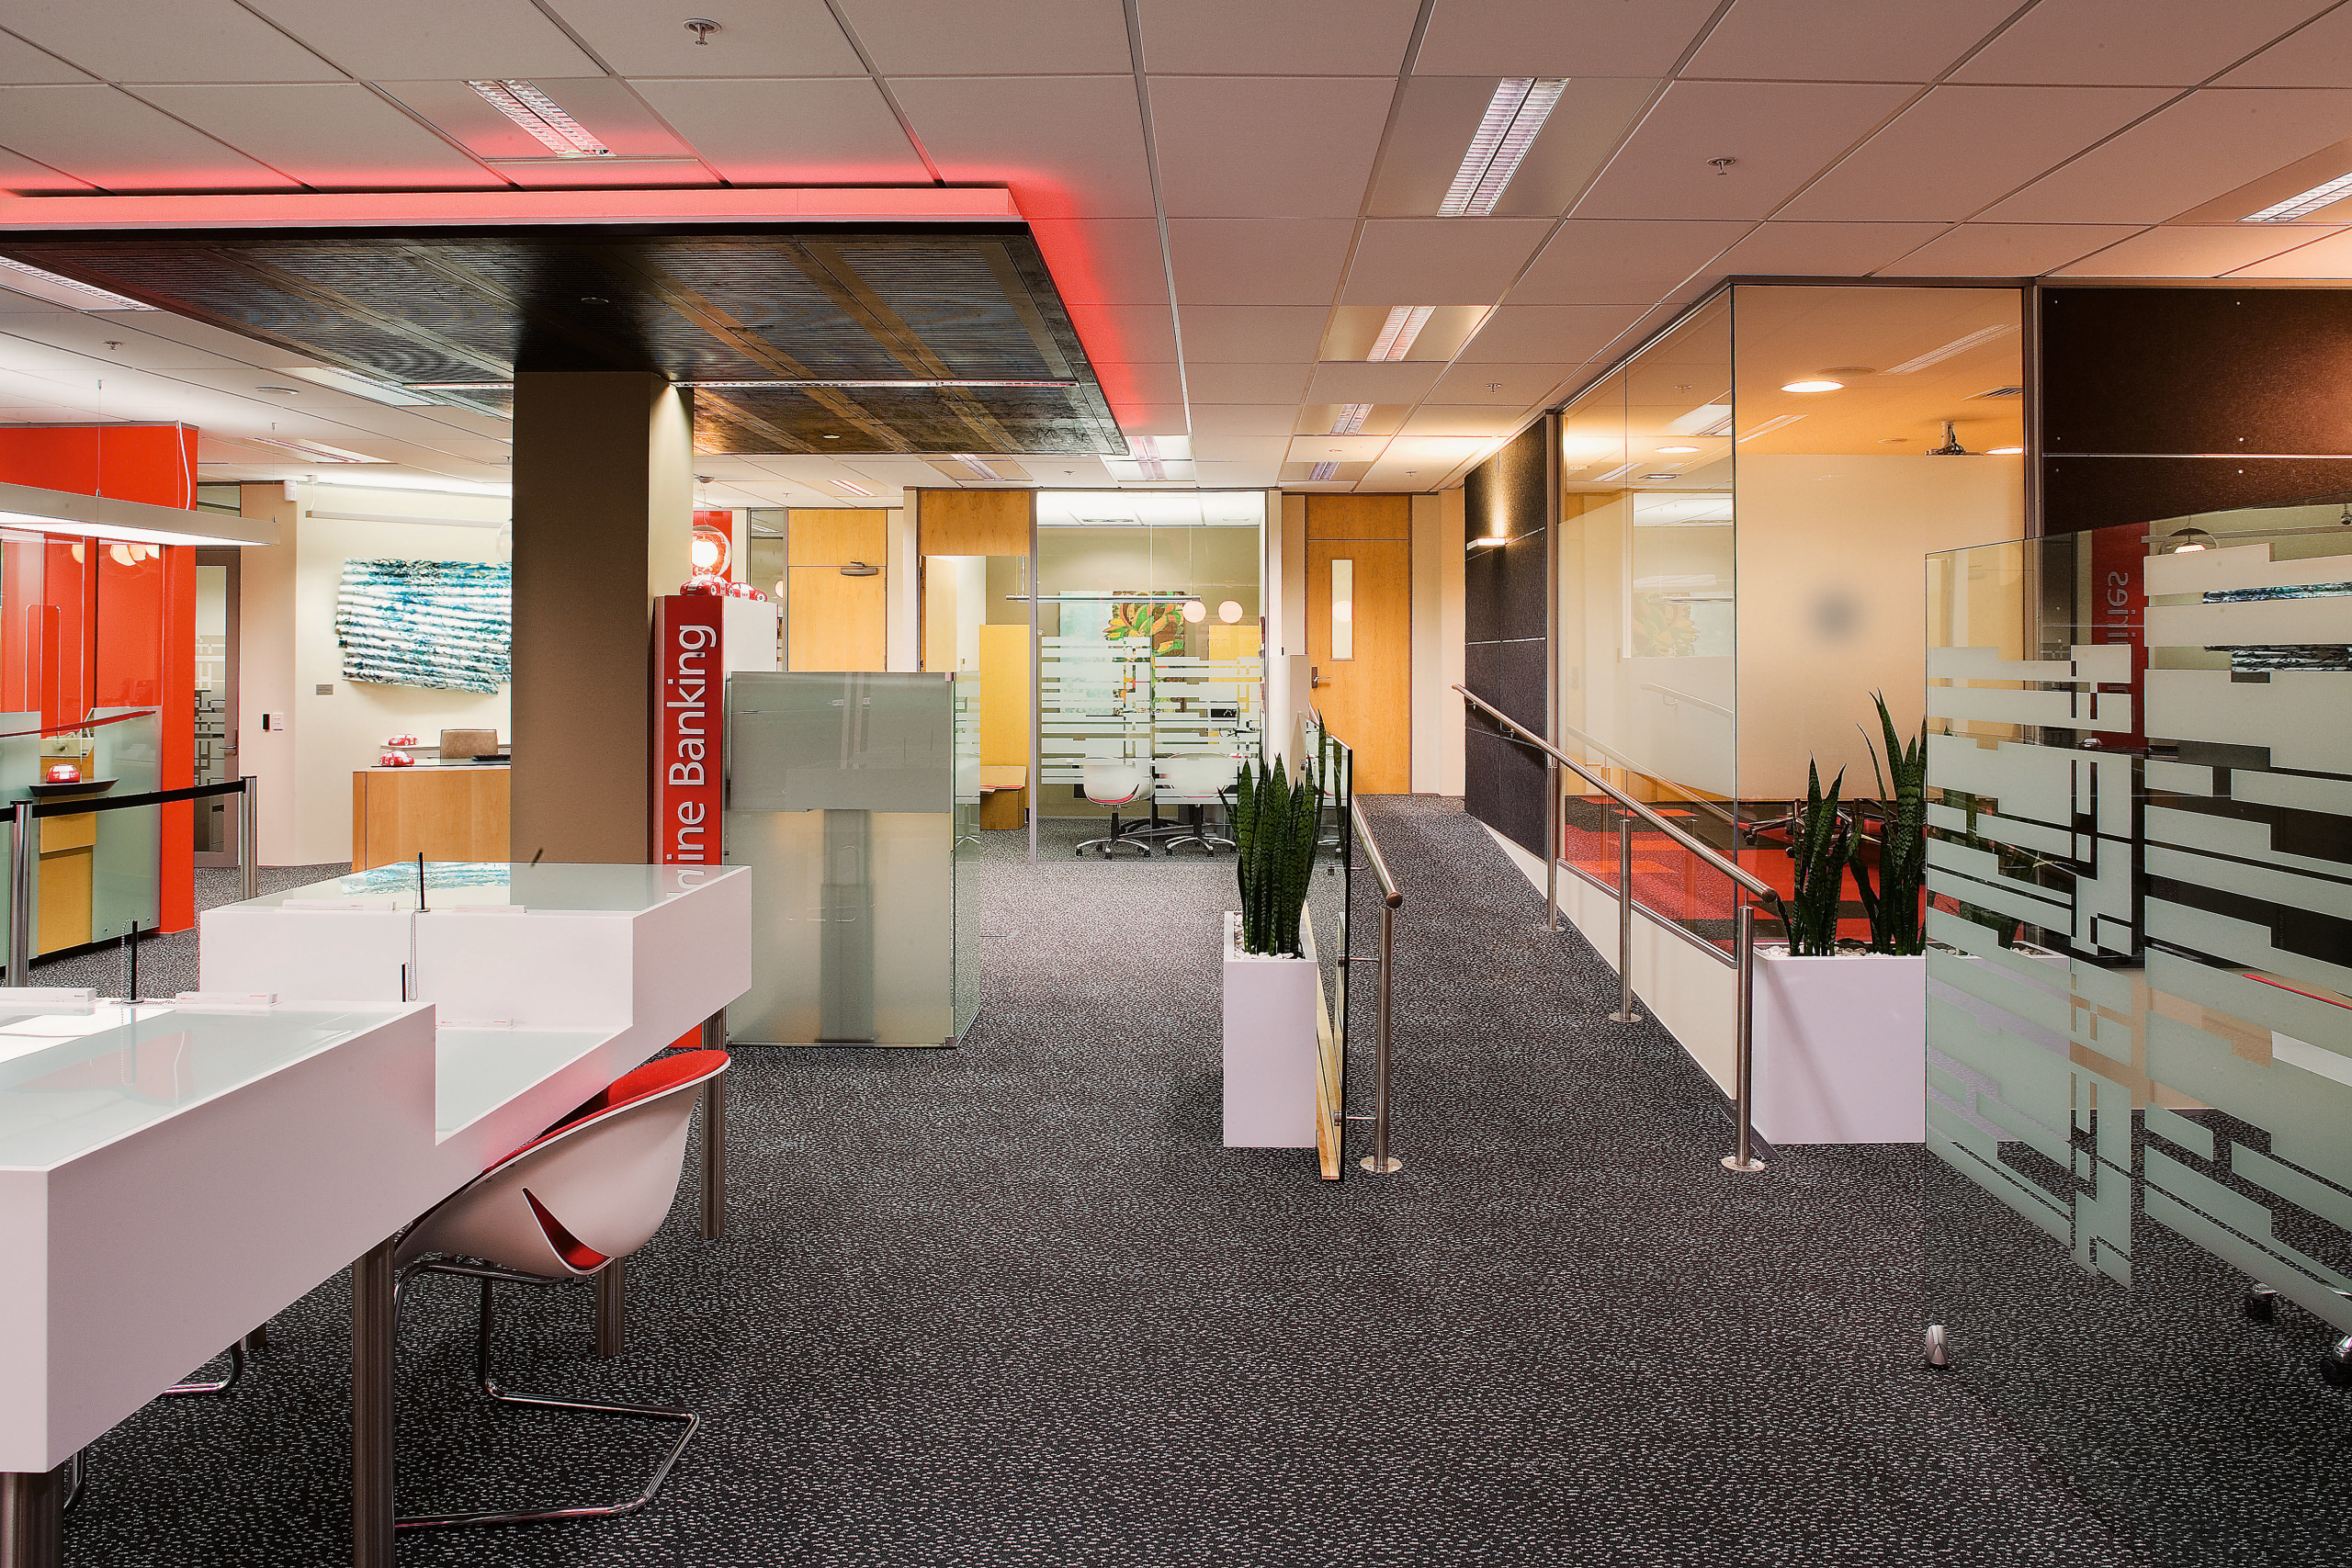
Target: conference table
{"x":172,"y":1175}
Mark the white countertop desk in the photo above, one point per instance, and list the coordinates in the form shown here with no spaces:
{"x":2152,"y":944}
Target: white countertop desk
{"x":172,"y":1176}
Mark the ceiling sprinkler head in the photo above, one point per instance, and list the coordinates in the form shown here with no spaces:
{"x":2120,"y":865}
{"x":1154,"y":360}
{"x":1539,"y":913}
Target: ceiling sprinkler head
{"x":1952,"y":446}
{"x":702,"y":28}
{"x":1721,"y":165}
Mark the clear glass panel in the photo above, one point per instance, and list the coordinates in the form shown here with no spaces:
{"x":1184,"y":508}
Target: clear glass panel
{"x":2139,"y":1086}
{"x":1152,"y":680}
{"x":213,"y":762}
{"x":1323,"y":755}
{"x":1343,"y":609}
{"x":841,"y":794}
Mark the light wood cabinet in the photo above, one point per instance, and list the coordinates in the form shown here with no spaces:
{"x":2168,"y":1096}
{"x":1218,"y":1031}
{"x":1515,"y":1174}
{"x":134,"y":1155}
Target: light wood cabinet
{"x":445,"y":813}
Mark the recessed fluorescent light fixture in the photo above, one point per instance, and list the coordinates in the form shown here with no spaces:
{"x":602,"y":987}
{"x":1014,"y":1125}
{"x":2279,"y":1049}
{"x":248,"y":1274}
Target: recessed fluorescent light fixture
{"x":1618,"y":472}
{"x":974,"y":465}
{"x":459,"y":386}
{"x":1661,"y":476}
{"x":1816,"y":383}
{"x":361,"y":387}
{"x":1396,"y":335}
{"x":1957,"y":345}
{"x":852,"y":489}
{"x":1350,"y":418}
{"x":1324,"y":471}
{"x":1515,"y":112}
{"x":1772,"y":424}
{"x":1678,"y":448}
{"x":2305,"y":204}
{"x":316,"y":449}
{"x":1147,"y":461}
{"x":542,"y":117}
{"x":2005,"y":452}
{"x":26,"y":279}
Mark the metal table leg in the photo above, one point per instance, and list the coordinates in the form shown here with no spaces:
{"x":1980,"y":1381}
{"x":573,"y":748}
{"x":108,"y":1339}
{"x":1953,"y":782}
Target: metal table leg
{"x":373,"y":1428}
{"x":713,"y":1135}
{"x":32,"y":1517}
{"x":611,"y":1308}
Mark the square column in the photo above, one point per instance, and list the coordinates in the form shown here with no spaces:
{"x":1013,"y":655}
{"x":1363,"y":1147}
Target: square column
{"x":603,"y":501}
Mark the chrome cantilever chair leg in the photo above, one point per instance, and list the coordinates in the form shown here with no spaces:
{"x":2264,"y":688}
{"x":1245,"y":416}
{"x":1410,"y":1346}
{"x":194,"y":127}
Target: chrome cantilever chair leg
{"x":484,"y":1324}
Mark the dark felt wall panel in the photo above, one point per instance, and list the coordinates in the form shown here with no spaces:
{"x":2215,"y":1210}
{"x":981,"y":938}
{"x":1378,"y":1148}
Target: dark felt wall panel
{"x":2182,"y":391}
{"x":1506,"y":614}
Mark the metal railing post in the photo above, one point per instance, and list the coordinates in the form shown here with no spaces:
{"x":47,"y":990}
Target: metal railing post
{"x":1625,"y":1013}
{"x":1743,"y":1157}
{"x":248,"y":852}
{"x":1552,"y":834}
{"x":22,"y":851}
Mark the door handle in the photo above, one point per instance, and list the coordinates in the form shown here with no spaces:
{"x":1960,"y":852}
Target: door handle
{"x":1314,"y":677}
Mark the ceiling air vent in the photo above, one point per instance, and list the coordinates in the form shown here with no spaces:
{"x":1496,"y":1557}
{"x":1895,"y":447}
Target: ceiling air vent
{"x":2003,"y":393}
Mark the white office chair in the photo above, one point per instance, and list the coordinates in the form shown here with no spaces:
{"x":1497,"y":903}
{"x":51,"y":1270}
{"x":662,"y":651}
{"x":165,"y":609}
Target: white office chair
{"x":1196,"y":778}
{"x":580,"y":1197}
{"x":1115,"y":781}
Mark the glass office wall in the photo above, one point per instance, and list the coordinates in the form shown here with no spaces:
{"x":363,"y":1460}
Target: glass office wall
{"x":2140,"y":1013}
{"x":1151,"y":687}
{"x":1743,"y":507}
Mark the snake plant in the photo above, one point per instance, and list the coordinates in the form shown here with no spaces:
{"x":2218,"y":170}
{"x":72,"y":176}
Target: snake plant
{"x":1821,"y":842}
{"x":1276,"y":832}
{"x":1893,"y":903}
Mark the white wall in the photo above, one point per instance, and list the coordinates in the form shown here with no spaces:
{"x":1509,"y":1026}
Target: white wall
{"x":289,"y":650}
{"x":1438,"y":561}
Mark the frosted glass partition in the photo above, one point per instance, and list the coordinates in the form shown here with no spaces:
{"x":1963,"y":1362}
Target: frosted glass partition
{"x":2139,"y":1092}
{"x":842,"y":794}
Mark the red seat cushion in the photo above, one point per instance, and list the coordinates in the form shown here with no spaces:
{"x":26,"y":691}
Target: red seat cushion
{"x":656,"y":1077}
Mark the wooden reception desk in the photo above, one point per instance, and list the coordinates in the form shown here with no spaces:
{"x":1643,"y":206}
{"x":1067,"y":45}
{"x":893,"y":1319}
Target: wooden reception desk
{"x":448,"y":813}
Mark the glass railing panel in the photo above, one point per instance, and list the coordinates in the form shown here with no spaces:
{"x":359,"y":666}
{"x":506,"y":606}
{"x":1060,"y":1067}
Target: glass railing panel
{"x":2138,"y":1075}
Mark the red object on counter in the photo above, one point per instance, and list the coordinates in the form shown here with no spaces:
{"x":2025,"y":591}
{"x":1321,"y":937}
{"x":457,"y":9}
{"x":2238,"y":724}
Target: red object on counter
{"x":63,"y":773}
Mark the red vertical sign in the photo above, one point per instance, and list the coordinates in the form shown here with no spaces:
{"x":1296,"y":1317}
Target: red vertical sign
{"x":2118,"y":614}
{"x":689,"y":692}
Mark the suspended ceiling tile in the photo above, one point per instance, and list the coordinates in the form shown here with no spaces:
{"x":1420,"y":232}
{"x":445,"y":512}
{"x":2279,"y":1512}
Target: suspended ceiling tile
{"x":1496,"y":385}
{"x":1781,"y":135}
{"x":22,"y":64}
{"x":2007,"y":250}
{"x":1243,"y":419}
{"x":1107,"y":261}
{"x":1128,"y":334}
{"x":776,"y":38}
{"x":1239,"y":334}
{"x":2156,"y":43}
{"x":1448,"y":419}
{"x":166,"y":41}
{"x":1559,"y":37}
{"x":1239,"y":449}
{"x":329,"y":135}
{"x":606,"y":108}
{"x":2190,"y":253}
{"x":1267,"y":146}
{"x":1959,"y":149}
{"x":1561,"y":334}
{"x":1068,"y":146}
{"x":912,"y":38}
{"x":1406,"y":261}
{"x":1824,"y":250}
{"x":1425,"y":451}
{"x":1244,"y":475}
{"x":1438,"y":116}
{"x":464,"y":40}
{"x":1844,"y":40}
{"x":1617,"y":262}
{"x":1383,"y":419}
{"x":1157,"y":418}
{"x":1356,"y":329}
{"x":827,"y":130}
{"x":1297,"y":37}
{"x":1401,"y":382}
{"x":2329,"y":257}
{"x":115,"y":141}
{"x":1140,"y":384}
{"x":1342,"y":449}
{"x":1247,"y":261}
{"x":2319,"y":54}
{"x":1245,"y":383}
{"x":25,"y":178}
{"x":2207,"y":143}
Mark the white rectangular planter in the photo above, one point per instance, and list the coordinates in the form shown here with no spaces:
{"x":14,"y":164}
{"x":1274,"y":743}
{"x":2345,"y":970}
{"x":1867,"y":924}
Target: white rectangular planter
{"x":1841,"y":1048}
{"x":1269,"y":1045}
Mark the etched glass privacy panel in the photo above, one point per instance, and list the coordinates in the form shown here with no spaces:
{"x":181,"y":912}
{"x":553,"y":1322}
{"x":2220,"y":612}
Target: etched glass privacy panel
{"x":2140,"y":1016}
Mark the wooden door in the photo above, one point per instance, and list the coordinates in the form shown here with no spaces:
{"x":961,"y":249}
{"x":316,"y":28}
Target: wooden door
{"x":1363,"y":665}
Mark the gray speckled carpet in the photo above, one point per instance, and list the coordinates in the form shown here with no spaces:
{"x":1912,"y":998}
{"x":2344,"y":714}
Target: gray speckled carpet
{"x":1012,"y":1304}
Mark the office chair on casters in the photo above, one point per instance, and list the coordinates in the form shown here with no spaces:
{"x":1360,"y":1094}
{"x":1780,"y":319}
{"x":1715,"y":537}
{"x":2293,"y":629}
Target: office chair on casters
{"x":1202,"y":777}
{"x":580,"y":1197}
{"x":1115,"y":781}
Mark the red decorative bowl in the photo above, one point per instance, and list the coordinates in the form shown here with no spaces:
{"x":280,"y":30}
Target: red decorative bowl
{"x":62,"y":773}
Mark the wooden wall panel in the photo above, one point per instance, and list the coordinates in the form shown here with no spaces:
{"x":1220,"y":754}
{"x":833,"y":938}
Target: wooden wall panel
{"x":1359,"y":518}
{"x":972,"y":522}
{"x":833,"y":622}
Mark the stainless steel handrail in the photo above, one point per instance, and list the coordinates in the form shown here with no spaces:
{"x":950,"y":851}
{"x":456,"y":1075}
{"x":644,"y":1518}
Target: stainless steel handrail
{"x":1743,"y":925}
{"x":1379,"y":1160}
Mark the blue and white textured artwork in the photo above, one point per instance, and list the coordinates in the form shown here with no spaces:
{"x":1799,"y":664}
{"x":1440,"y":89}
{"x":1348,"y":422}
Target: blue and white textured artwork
{"x":439,"y":624}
